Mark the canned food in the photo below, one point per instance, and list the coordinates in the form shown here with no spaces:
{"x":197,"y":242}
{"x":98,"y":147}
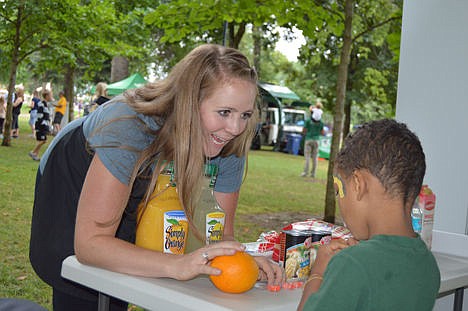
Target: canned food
{"x":298,"y":249}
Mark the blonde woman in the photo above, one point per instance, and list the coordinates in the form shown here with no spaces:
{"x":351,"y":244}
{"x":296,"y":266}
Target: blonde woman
{"x":99,"y":98}
{"x":17,"y":104}
{"x":2,"y":113}
{"x":204,"y":110}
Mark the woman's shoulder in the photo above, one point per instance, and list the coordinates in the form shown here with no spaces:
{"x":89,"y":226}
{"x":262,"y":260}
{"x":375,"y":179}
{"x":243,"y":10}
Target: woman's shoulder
{"x":116,"y":117}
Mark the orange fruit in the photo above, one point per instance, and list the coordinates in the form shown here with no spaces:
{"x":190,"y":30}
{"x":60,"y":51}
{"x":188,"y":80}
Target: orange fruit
{"x":239,"y":273}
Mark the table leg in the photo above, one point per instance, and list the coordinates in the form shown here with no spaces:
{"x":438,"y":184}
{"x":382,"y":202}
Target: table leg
{"x":458,"y":299}
{"x":103,"y":302}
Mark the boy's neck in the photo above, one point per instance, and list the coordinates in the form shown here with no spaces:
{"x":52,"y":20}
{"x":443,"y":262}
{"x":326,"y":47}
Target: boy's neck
{"x":390,"y":218}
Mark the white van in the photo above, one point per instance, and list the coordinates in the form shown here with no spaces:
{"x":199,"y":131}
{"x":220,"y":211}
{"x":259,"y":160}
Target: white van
{"x":277,"y":118}
{"x":292,"y":121}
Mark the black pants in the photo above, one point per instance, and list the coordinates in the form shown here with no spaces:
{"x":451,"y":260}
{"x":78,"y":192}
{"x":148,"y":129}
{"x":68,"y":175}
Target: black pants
{"x":65,"y":302}
{"x":14,"y":121}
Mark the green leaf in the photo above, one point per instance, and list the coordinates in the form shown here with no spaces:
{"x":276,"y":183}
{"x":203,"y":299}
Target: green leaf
{"x":174,"y":222}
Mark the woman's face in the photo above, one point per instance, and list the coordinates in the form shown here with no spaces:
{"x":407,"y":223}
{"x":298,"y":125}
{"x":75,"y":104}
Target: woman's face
{"x":225,"y":114}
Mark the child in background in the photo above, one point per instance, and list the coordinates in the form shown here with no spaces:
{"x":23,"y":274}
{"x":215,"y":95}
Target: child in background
{"x":33,"y":111}
{"x":378,"y":174}
{"x":60,"y":110}
{"x":42,"y":125}
{"x":316,"y":111}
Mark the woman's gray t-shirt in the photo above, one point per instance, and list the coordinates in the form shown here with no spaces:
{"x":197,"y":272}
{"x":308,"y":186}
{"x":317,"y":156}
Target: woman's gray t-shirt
{"x":118,"y":134}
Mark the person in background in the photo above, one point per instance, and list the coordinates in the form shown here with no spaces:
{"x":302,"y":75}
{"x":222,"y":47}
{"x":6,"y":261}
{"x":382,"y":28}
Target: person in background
{"x":378,"y":175}
{"x":100,"y":167}
{"x":17,"y":104}
{"x":60,"y":110}
{"x":2,"y":114}
{"x":33,"y":111}
{"x":312,"y":130}
{"x":99,"y":98}
{"x":316,"y":111}
{"x":42,"y":125}
{"x":101,"y":94}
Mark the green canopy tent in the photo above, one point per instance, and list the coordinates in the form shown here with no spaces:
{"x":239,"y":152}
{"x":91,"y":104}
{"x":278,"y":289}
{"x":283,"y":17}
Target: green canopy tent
{"x":132,"y":82}
{"x":276,"y":92}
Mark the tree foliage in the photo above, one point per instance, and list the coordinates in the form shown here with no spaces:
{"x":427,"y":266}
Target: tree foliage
{"x":361,"y":75}
{"x":20,"y":37}
{"x":72,"y":43}
{"x":203,"y":20}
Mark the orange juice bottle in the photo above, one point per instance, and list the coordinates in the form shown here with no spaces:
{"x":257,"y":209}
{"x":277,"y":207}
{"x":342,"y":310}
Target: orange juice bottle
{"x":163,"y":225}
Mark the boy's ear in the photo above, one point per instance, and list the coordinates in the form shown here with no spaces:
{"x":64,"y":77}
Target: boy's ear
{"x":360,"y":184}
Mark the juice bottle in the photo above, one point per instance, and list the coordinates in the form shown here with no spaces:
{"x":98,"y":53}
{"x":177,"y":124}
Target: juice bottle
{"x":208,"y":216}
{"x":163,"y":225}
{"x":416,"y":216}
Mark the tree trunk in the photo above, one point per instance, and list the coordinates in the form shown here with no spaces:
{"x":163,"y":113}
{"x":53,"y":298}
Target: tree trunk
{"x":236,"y":37}
{"x":119,"y":69}
{"x":347,"y":107}
{"x":347,"y":119}
{"x":349,"y":86}
{"x":68,"y":88}
{"x":12,"y":79}
{"x":339,"y":110}
{"x":257,"y":38}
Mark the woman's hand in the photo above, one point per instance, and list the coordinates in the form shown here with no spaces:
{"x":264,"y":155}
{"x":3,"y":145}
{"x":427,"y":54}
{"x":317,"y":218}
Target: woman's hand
{"x":269,"y":271}
{"x":190,"y":265}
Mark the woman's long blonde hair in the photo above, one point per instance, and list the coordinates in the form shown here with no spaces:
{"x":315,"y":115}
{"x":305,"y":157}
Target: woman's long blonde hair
{"x":175,"y":104}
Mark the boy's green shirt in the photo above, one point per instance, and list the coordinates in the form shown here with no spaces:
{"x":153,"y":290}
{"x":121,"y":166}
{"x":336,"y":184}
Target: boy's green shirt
{"x":383,"y":273}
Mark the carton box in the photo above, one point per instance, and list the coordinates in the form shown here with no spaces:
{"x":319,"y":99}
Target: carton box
{"x":426,"y":201}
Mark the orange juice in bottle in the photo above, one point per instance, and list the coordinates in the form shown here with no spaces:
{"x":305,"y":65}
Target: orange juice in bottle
{"x":163,"y":226}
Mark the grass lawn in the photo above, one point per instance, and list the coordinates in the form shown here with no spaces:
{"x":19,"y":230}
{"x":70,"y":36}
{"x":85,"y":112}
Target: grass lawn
{"x":272,"y":195}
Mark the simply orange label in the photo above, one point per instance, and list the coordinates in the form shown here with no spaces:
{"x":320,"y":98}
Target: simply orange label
{"x":175,"y":232}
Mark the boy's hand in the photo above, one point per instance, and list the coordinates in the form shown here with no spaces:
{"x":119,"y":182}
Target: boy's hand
{"x":326,"y":252}
{"x":269,"y":271}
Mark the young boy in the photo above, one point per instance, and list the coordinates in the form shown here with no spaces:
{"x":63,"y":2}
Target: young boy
{"x":378,"y":174}
{"x":42,"y":125}
{"x":60,"y":109}
{"x":316,"y":111}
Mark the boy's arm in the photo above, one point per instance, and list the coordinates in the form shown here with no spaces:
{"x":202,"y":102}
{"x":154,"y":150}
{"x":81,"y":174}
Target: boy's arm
{"x":60,"y":103}
{"x":324,"y":254}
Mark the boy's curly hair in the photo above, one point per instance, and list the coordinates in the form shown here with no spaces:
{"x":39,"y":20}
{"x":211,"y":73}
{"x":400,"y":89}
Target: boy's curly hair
{"x":390,"y":152}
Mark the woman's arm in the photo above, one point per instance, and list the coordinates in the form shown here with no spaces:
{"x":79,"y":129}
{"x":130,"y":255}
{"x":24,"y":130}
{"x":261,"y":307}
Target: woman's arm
{"x":18,"y":101}
{"x":102,"y":202}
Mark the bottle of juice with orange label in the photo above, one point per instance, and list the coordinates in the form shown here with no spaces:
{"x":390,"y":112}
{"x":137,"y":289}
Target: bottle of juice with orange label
{"x":162,"y":224}
{"x":208,"y":216}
